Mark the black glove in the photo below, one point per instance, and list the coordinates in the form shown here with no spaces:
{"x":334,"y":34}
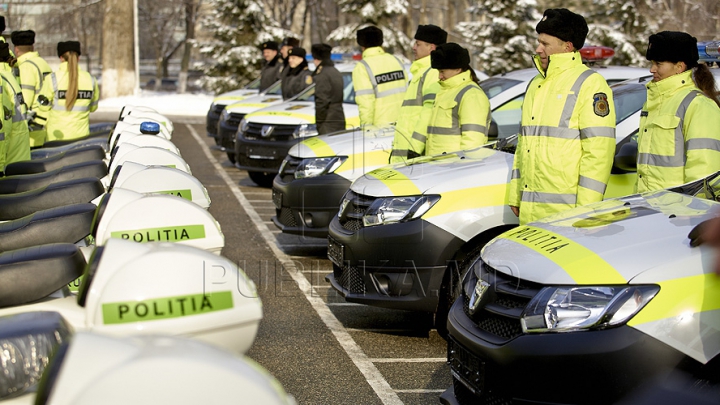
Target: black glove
{"x":696,"y":235}
{"x":43,"y":100}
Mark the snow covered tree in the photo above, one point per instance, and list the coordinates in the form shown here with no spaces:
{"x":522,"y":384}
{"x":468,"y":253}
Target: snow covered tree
{"x":504,"y":38}
{"x":619,"y":25}
{"x":238,"y":27}
{"x":382,"y":13}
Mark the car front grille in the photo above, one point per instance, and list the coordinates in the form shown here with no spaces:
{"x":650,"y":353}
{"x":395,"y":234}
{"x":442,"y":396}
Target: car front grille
{"x":351,"y":217}
{"x":498,"y":315}
{"x":279,"y":132}
{"x":234,"y":119}
{"x":349,"y":278}
{"x":286,"y":217}
{"x":218,"y":108}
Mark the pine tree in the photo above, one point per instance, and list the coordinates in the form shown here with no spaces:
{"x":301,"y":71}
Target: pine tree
{"x":381,"y":13}
{"x":504,"y":38}
{"x":619,"y":25}
{"x":238,"y":27}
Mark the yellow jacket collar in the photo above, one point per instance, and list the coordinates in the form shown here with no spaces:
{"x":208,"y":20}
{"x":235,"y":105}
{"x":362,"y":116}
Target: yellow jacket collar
{"x":374,"y":51}
{"x":419,"y":67}
{"x":27,"y":55}
{"x":558,"y":63}
{"x":462,"y":78}
{"x":670,"y":84}
{"x":63,"y":66}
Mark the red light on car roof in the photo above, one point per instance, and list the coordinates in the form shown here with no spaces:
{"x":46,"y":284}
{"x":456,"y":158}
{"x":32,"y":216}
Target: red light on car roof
{"x":591,"y":53}
{"x":357,"y":56}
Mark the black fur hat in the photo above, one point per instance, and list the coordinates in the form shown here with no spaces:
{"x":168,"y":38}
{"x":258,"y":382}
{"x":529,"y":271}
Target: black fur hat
{"x":290,"y":41}
{"x":272,"y":45}
{"x":67,"y":46}
{"x":673,"y":46}
{"x":564,"y":24}
{"x":369,"y":37}
{"x":23,"y":37}
{"x":431,"y":34}
{"x":2,"y":23}
{"x":297,"y":51}
{"x":450,"y":56}
{"x":321,"y":51}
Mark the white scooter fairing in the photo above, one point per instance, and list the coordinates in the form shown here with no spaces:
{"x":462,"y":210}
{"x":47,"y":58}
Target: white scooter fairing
{"x":160,"y":180}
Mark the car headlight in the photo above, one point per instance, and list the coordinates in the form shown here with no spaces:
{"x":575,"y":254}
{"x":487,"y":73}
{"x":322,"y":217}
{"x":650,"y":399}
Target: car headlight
{"x":390,"y":210}
{"x":313,"y":167}
{"x":225,"y":115}
{"x":567,"y":309}
{"x":305,"y":130}
{"x":243,"y":126}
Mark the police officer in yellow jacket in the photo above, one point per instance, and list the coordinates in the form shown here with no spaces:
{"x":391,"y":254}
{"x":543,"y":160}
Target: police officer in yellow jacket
{"x":567,"y":137}
{"x":379,"y":80}
{"x":15,"y":138}
{"x":69,"y":95}
{"x":460,"y":115}
{"x":678,"y":140}
{"x":32,"y":70}
{"x":420,"y":92}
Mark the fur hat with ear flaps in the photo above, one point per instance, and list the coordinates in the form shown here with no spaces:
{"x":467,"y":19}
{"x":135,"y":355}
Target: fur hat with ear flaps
{"x":19,"y":38}
{"x":68,"y":46}
{"x":673,"y":46}
{"x":431,"y":34}
{"x":450,"y":56}
{"x":369,"y":37}
{"x":321,"y":51}
{"x":564,"y":24}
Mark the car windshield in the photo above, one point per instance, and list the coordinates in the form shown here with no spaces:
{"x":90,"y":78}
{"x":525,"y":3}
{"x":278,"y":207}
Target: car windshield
{"x":253,"y":85}
{"x":348,"y":91}
{"x":496,"y":85}
{"x":274,"y":90}
{"x":628,"y":98}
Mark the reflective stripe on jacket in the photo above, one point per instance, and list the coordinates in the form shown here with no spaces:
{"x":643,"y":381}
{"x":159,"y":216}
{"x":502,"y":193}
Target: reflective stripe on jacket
{"x":380,"y":83}
{"x":420,"y":93}
{"x":33,"y":71}
{"x":678,"y":140}
{"x":17,"y":137}
{"x":459,"y":118}
{"x":567,"y":139}
{"x":62,"y":124}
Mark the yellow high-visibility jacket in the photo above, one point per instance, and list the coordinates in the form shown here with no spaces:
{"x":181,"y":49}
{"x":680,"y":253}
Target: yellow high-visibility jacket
{"x":379,"y":80}
{"x":33,"y":70}
{"x":420,"y":94}
{"x":678,"y":140}
{"x":459,"y":118}
{"x":62,"y":124}
{"x":14,"y":138}
{"x":567,"y":139}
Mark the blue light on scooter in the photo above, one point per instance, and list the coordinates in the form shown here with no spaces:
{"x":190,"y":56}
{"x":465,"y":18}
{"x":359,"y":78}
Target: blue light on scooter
{"x":149,"y":127}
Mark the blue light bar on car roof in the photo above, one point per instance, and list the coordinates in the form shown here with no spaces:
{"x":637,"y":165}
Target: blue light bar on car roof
{"x":709,"y":51}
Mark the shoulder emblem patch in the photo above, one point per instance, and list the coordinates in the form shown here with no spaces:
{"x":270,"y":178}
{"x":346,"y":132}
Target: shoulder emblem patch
{"x":308,"y":80}
{"x":600,"y":105}
{"x":318,"y":70}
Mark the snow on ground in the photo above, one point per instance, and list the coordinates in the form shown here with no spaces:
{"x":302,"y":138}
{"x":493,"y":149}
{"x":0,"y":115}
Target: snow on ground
{"x":195,"y":105}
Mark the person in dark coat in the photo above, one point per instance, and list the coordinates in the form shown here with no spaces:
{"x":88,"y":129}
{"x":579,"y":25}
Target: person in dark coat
{"x":329,"y":114}
{"x":273,"y":63}
{"x":285,"y":47}
{"x":298,"y":75}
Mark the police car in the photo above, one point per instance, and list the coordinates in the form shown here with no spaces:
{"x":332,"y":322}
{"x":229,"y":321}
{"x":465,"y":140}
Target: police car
{"x":265,"y":136}
{"x":405,"y":233}
{"x":330,"y":163}
{"x":234,"y":113}
{"x":223,"y":100}
{"x":586,"y":305}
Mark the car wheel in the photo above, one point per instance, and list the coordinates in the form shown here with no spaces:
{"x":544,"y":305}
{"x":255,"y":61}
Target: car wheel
{"x":262,"y":179}
{"x":231,"y":157}
{"x":452,"y":287}
{"x":229,"y":145}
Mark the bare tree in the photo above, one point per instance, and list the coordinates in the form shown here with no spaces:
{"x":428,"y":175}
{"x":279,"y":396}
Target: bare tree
{"x":160,"y":21}
{"x":118,"y":74}
{"x":191,"y":12}
{"x":77,"y":20}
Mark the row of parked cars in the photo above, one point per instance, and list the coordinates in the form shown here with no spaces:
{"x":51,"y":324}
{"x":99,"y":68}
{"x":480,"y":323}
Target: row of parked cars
{"x":112,"y":286}
{"x":587,"y":289}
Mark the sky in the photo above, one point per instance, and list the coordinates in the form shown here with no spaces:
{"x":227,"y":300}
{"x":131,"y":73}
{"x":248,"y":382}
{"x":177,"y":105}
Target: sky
{"x":165,"y":103}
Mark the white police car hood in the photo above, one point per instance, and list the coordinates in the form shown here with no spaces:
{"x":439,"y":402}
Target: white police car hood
{"x":346,"y":143}
{"x":634,"y":239}
{"x":438,"y":174}
{"x":286,"y":113}
{"x":254,"y":103}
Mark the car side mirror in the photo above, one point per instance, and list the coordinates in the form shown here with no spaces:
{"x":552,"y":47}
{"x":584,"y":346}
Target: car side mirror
{"x":711,"y":192}
{"x":626,"y":158}
{"x":493,"y":130}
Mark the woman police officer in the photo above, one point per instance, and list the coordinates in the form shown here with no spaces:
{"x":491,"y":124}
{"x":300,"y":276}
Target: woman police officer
{"x":68,"y":96}
{"x":460,"y":115}
{"x":678,"y":140}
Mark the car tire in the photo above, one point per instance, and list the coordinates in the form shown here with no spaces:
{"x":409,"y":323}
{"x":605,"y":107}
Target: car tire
{"x":231,"y":157}
{"x":229,"y":145}
{"x":452,"y":287}
{"x":262,"y":179}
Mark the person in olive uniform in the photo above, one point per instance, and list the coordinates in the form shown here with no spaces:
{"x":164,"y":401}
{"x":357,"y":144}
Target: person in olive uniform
{"x":329,"y":114}
{"x":298,"y":75}
{"x":271,"y":68}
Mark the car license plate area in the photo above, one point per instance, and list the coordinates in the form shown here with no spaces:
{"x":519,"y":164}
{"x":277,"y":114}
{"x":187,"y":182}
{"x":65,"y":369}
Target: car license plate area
{"x":277,"y":199}
{"x":260,"y":153}
{"x":335,"y":252}
{"x":466,"y":367}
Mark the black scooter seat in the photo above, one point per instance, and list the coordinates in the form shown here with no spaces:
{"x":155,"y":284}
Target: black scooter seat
{"x":77,"y":155}
{"x":26,"y":182}
{"x":14,"y":206}
{"x":46,"y":152}
{"x":30,"y":274}
{"x":68,"y":224}
{"x":97,"y":130}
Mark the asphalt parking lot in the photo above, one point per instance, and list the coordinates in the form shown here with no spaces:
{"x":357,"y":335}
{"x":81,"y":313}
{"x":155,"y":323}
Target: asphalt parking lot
{"x":321,"y":349}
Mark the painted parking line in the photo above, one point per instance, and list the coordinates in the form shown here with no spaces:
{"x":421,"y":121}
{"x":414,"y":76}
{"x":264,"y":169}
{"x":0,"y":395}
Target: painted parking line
{"x":372,"y":375}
